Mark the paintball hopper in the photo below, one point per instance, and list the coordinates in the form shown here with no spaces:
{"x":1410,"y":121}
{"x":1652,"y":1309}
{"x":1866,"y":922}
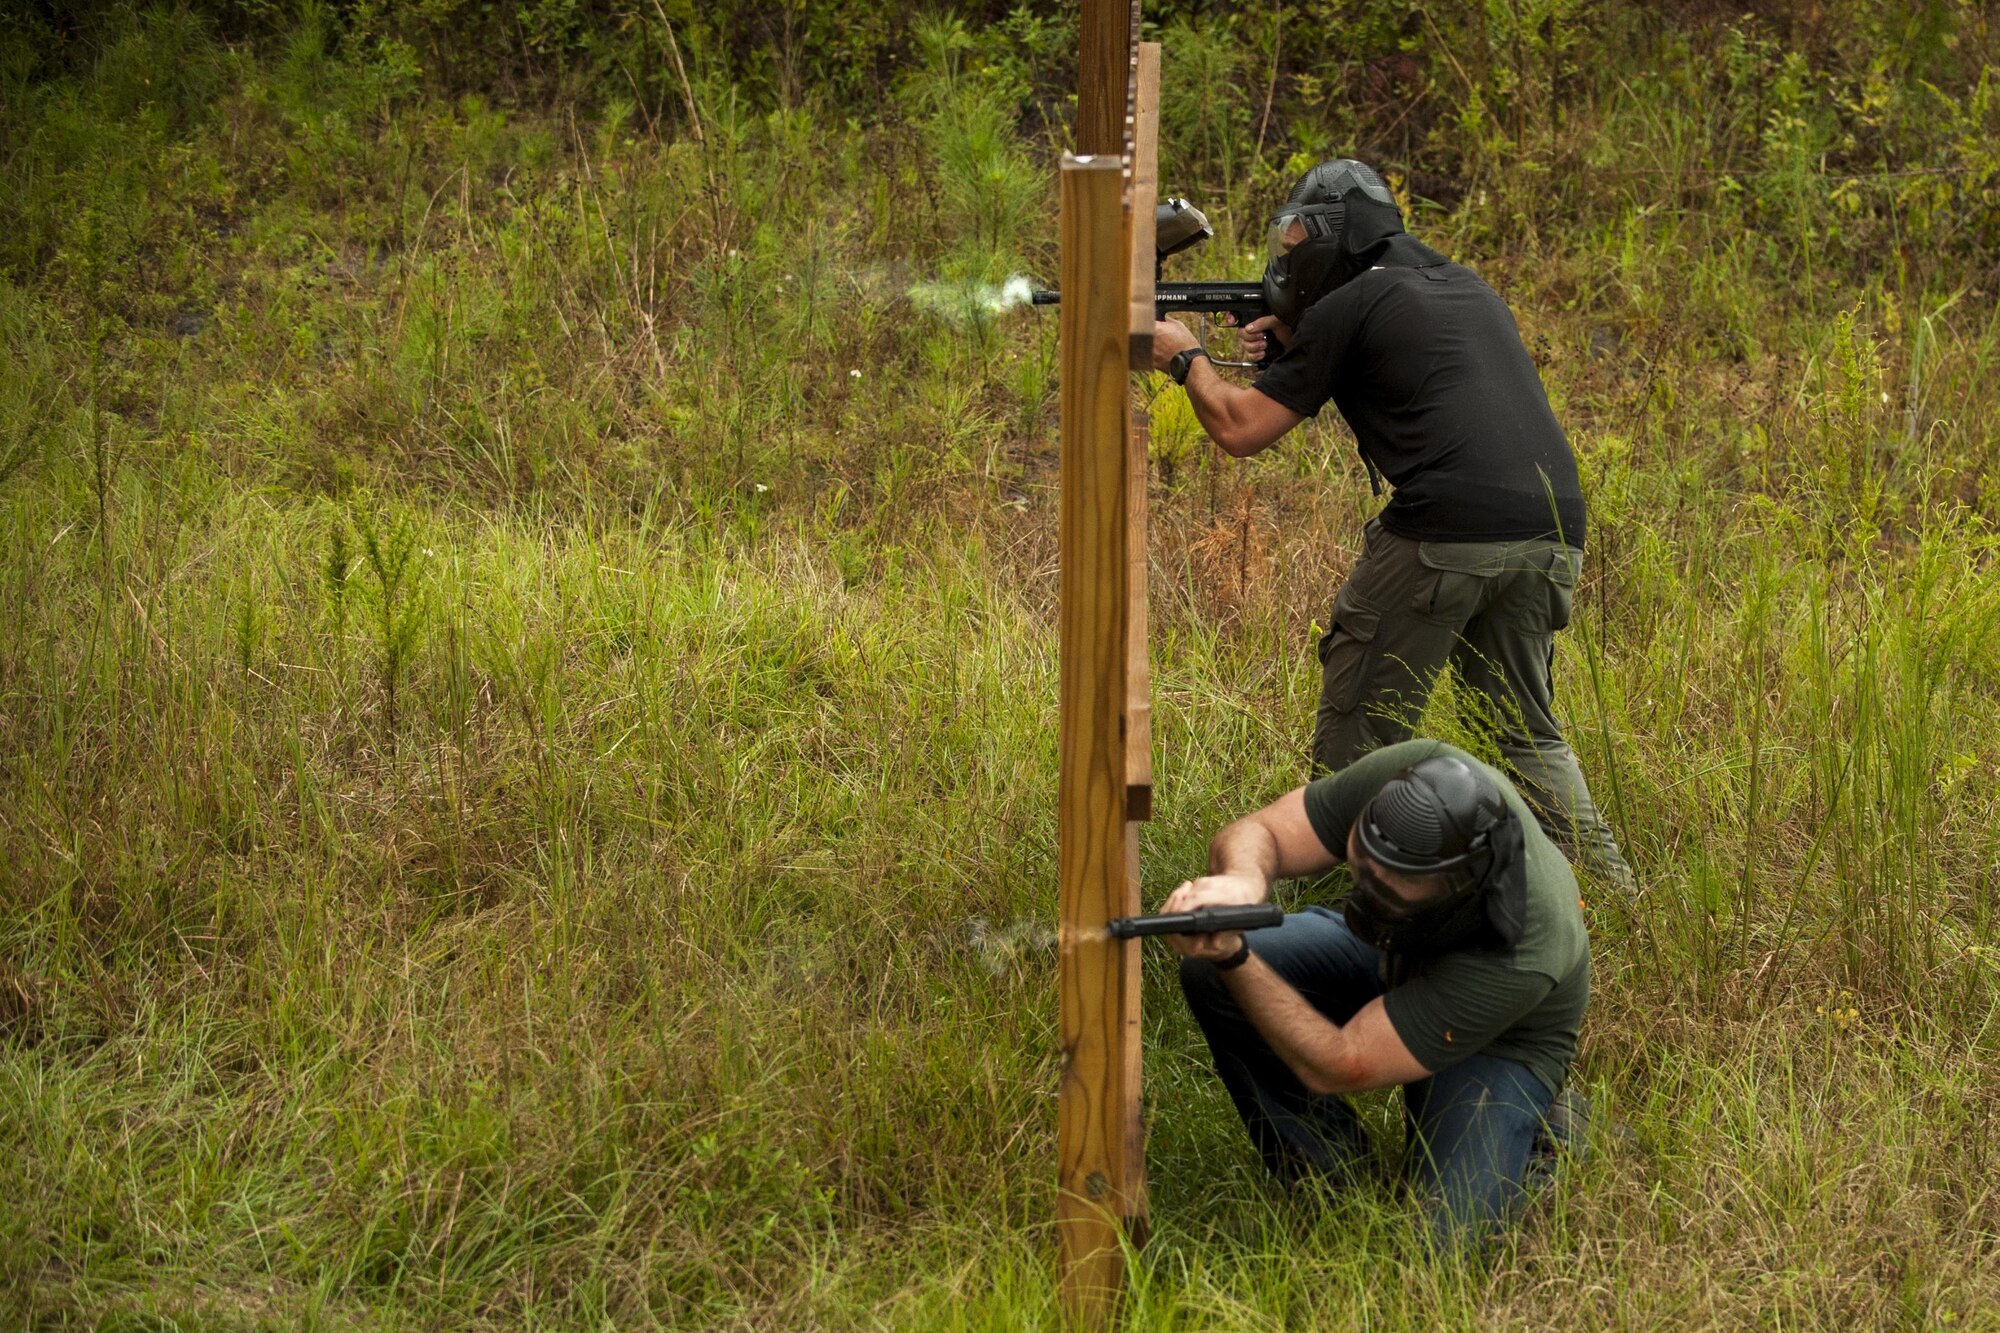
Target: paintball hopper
{"x":1178,"y":225}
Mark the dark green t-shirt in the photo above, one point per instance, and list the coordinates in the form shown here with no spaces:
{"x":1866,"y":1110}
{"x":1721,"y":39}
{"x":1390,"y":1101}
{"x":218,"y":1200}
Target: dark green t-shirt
{"x":1525,"y":1003}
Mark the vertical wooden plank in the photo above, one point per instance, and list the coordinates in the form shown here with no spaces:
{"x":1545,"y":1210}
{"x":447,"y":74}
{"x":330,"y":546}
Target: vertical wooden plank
{"x":1145,"y":194}
{"x":1098,"y":1109}
{"x":1138,"y":675}
{"x":1102,"y":1155}
{"x":1131,"y":1068}
{"x":1138,"y":672}
{"x":1103,"y":74}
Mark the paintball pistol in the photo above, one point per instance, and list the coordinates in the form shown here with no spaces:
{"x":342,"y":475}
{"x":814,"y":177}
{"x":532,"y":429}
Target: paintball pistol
{"x":1178,"y":225}
{"x":1201,"y":921}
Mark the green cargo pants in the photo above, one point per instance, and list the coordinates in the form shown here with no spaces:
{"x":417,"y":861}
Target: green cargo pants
{"x":1491,"y":609}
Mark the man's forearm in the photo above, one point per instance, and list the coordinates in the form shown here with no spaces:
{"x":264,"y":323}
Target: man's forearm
{"x":1245,"y":848}
{"x":1219,"y":406}
{"x":1313,"y":1047}
{"x":1242,"y":421}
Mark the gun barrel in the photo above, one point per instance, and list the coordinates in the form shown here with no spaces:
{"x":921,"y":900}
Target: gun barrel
{"x":1201,"y":921}
{"x":1042,"y":297}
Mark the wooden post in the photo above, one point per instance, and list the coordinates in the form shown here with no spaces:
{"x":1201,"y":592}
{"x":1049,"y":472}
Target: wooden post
{"x":1109,"y":30}
{"x":1101,"y":1176}
{"x":1107,"y":772}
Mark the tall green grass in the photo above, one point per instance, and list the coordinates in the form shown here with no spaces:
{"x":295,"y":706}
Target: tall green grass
{"x":528,"y":749}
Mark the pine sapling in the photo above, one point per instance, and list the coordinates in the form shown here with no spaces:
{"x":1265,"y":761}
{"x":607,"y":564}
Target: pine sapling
{"x":391,"y":557}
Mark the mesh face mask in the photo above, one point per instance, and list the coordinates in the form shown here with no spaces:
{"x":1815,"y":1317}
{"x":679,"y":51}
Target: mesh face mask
{"x":1382,"y":917}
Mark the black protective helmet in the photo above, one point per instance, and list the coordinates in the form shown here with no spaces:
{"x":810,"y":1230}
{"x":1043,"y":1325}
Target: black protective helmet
{"x":1436,"y":815}
{"x":1440,"y":816}
{"x":1331,"y":229}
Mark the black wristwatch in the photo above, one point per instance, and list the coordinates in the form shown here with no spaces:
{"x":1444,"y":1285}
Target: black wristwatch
{"x":1183,"y":362}
{"x":1235,"y":960}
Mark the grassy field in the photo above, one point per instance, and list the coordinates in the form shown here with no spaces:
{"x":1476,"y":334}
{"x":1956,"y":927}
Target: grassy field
{"x":527,"y":683}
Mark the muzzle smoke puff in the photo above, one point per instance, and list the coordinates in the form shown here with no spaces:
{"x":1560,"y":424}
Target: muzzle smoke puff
{"x":963,"y":302}
{"x":999,"y":947}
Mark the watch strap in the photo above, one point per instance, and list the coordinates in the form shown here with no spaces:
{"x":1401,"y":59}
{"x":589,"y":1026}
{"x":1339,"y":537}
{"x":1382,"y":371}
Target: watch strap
{"x":1183,"y":362}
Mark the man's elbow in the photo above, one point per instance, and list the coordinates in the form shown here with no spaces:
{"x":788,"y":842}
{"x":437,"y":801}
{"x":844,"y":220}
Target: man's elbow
{"x":1237,"y":441}
{"x":1332,"y":1076}
{"x":1223,"y":433}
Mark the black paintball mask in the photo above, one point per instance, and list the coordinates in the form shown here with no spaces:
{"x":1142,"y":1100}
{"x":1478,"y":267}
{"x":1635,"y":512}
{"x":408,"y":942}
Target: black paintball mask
{"x":1339,"y":221}
{"x":1439,"y":817}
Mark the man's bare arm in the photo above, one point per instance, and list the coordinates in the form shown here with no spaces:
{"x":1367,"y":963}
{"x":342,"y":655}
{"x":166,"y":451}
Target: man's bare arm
{"x":1278,"y":840}
{"x":1243,"y":421}
{"x":1326,"y":1057}
{"x":1272,"y":843}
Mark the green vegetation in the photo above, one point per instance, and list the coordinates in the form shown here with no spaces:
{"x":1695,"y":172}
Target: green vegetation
{"x":527,"y":662}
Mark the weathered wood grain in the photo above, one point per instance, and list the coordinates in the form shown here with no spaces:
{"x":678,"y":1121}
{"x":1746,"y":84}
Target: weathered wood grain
{"x":1145,"y":194}
{"x":1101,"y":1176}
{"x":1108,"y":32}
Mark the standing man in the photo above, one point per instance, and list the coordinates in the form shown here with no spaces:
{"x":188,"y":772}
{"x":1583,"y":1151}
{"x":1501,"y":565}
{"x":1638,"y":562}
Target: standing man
{"x":1459,"y":970}
{"x":1474,"y":560}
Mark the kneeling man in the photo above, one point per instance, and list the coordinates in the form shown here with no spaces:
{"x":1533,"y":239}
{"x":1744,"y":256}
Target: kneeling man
{"x":1459,"y":970}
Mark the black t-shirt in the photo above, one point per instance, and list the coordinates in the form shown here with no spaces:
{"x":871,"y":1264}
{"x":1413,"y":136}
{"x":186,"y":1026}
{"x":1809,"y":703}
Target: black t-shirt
{"x":1428,"y":368}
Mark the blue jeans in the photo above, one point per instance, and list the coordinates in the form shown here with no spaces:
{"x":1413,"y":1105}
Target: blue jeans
{"x":1472,"y":1128}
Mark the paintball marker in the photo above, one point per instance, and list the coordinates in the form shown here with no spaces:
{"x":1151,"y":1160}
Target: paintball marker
{"x":1178,"y":225}
{"x":1201,"y":921}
